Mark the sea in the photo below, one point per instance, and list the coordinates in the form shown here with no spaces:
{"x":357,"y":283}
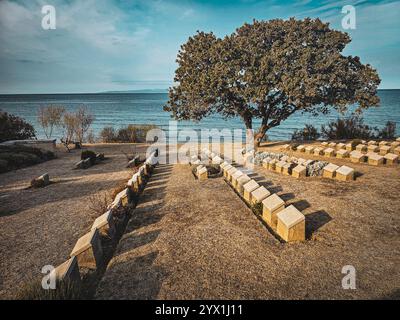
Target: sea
{"x":121,"y":109}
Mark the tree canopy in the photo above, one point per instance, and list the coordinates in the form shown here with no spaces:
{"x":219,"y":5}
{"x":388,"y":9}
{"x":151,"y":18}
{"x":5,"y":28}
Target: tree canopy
{"x":269,"y":70}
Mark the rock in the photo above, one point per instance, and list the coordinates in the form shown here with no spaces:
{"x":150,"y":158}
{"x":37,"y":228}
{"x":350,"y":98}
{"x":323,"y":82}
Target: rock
{"x":40,"y":182}
{"x":291,"y":225}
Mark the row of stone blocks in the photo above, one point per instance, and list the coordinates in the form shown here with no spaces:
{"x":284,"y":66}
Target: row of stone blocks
{"x":288,"y":223}
{"x":88,"y":251}
{"x":86,"y":163}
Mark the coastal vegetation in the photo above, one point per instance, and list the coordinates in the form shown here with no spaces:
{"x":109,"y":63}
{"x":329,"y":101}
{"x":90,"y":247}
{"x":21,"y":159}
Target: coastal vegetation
{"x":270,"y":70}
{"x":129,"y":134}
{"x":345,"y":129}
{"x":14,"y":128}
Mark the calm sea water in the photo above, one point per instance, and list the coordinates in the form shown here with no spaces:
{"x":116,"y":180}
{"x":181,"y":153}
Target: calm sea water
{"x":120,"y":109}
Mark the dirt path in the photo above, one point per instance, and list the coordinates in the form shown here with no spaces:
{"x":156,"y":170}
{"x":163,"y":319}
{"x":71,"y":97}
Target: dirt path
{"x":197,"y":240}
{"x":40,"y":226}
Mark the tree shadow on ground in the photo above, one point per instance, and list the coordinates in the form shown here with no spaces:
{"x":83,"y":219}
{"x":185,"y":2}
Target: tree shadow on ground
{"x":316,"y":220}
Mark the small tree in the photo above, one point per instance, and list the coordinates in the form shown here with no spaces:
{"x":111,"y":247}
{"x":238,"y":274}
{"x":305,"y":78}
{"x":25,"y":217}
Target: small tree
{"x":50,"y":117}
{"x":69,"y":124}
{"x":14,"y":128}
{"x":84,"y":119}
{"x":388,"y":131}
{"x":270,"y":70}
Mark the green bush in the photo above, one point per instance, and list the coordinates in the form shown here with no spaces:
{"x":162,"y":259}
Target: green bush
{"x":130,"y":134}
{"x":349,"y":128}
{"x":14,"y":128}
{"x":88,"y":154}
{"x":309,"y":132}
{"x":388,"y":131}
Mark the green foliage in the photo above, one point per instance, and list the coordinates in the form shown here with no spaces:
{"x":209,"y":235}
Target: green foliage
{"x":17,"y":156}
{"x":14,"y":128}
{"x":130,"y":134}
{"x":257,"y":209}
{"x":309,"y":132}
{"x":348,"y":128}
{"x":388,"y":131}
{"x":270,"y":70}
{"x":88,"y":154}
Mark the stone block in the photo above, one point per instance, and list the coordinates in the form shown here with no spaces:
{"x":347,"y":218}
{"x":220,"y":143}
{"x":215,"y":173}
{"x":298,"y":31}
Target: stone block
{"x":248,"y":188}
{"x":357,"y":157}
{"x":342,"y":153}
{"x":286,"y":147}
{"x":391,"y":158}
{"x":384,"y":150}
{"x":88,"y":250}
{"x":340,"y":146}
{"x":361,"y":148}
{"x":217,"y":160}
{"x":287,"y":168}
{"x":229,"y":173}
{"x":375,"y":159}
{"x":285,"y":158}
{"x":308,"y":162}
{"x":279,"y":166}
{"x":235,"y":177}
{"x":396,"y":151}
{"x":291,"y":224}
{"x":122,"y":198}
{"x":67,"y":271}
{"x":332,"y":145}
{"x":40,"y":182}
{"x":202,"y":174}
{"x":301,"y":148}
{"x":329,"y":152}
{"x":309,"y":149}
{"x":132,"y":163}
{"x":241,"y":181}
{"x":105,"y":224}
{"x":349,"y":147}
{"x":329,"y":171}
{"x":226,"y":169}
{"x":324,"y":144}
{"x":271,"y":206}
{"x":345,"y":173}
{"x":394,"y":145}
{"x":223,"y":165}
{"x":301,"y":161}
{"x":299,"y":171}
{"x":373,"y":148}
{"x":258,"y":195}
{"x":266,"y":162}
{"x":398,"y":139}
{"x":272,"y":164}
{"x":383,"y":143}
{"x":318,"y":151}
{"x":372,"y":142}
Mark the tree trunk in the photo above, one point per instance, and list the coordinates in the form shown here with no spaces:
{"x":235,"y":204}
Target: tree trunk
{"x":259,"y":136}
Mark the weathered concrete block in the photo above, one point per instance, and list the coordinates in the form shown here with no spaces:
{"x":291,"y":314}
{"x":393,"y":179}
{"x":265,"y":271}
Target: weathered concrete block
{"x":391,"y":158}
{"x":291,"y":225}
{"x":394,"y":145}
{"x":332,"y":145}
{"x":329,"y":152}
{"x":223,"y":165}
{"x":258,"y":195}
{"x":345,"y":173}
{"x":202,"y":174}
{"x":357,"y":157}
{"x":301,"y":148}
{"x":121,"y":198}
{"x":361,"y":148}
{"x":299,"y":171}
{"x":105,"y":224}
{"x":241,"y":181}
{"x":349,"y":147}
{"x":301,"y":161}
{"x":287,"y":168}
{"x":372,"y":142}
{"x":226,"y":169}
{"x":266,"y":162}
{"x":373,"y":148}
{"x":67,"y":271}
{"x":383,"y":143}
{"x":248,"y":188}
{"x":196,"y":163}
{"x":340,"y":146}
{"x":132,"y":163}
{"x":272,"y":164}
{"x":229,"y":173}
{"x":342,"y":153}
{"x":324,"y":144}
{"x":271,"y":206}
{"x":285,"y":158}
{"x":217,"y":160}
{"x":329,"y":171}
{"x":41,"y":181}
{"x":88,"y":250}
{"x":375,"y":159}
{"x":318,"y":151}
{"x":397,"y":151}
{"x":235,"y":177}
{"x":279,"y":166}
{"x":398,"y":139}
{"x":384,"y":150}
{"x":309,"y":149}
{"x":285,"y":147}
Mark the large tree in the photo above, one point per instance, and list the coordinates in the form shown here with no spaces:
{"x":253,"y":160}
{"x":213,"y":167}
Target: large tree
{"x":269,"y":70}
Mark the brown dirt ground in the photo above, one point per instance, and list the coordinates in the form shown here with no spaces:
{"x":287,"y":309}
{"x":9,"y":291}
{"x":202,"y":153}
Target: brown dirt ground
{"x":197,"y":240}
{"x":40,"y":226}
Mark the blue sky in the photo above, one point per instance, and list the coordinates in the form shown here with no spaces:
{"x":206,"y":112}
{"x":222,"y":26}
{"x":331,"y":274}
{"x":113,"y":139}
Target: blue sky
{"x":102,"y":45}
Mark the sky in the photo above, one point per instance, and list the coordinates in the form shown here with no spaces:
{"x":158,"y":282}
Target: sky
{"x":118,"y":45}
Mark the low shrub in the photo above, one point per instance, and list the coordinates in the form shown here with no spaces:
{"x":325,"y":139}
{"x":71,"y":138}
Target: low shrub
{"x":130,"y":134}
{"x":388,"y":131}
{"x":348,"y":128}
{"x":309,"y":132}
{"x":88,"y":154}
{"x":14,"y":128}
